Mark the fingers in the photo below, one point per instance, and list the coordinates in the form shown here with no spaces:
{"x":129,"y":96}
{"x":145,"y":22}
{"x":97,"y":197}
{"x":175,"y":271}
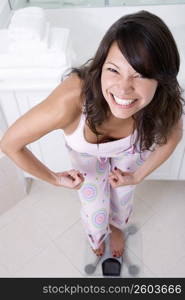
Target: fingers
{"x":114,"y":176}
{"x":117,"y":177}
{"x":77,"y":187}
{"x":113,"y":179}
{"x":75,"y":174}
{"x":76,"y":177}
{"x":119,"y":173}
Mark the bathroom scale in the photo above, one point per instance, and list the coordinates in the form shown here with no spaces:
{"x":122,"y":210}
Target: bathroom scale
{"x":128,"y":265}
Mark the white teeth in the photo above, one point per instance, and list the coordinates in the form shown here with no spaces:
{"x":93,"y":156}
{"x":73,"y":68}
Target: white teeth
{"x":123,"y":101}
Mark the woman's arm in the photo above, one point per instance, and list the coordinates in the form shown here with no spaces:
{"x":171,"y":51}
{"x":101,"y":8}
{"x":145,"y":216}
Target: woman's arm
{"x":56,"y":112}
{"x":160,"y":154}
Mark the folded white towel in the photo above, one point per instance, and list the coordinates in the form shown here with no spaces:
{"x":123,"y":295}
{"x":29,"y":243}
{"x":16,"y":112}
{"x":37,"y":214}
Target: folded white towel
{"x":27,"y":28}
{"x":27,"y":25}
{"x":33,"y":10}
{"x":32,"y":73}
{"x":59,"y":53}
{"x":61,"y":43}
{"x":30,"y":49}
{"x":59,"y":39}
{"x":21,"y":46}
{"x":36,"y":61}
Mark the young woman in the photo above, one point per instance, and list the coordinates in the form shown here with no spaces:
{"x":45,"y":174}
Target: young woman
{"x":121,"y":118}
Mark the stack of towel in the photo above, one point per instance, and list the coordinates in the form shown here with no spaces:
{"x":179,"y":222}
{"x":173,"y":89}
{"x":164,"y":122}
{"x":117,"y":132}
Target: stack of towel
{"x":30,"y":45}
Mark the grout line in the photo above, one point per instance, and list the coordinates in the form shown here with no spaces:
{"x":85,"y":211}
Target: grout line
{"x":6,"y":269}
{"x":66,"y":256}
{"x":30,"y":259}
{"x":66,"y":230}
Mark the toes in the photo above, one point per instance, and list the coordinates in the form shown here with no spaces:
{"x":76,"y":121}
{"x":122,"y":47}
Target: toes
{"x":98,"y":252}
{"x":117,"y":253}
{"x":114,"y":253}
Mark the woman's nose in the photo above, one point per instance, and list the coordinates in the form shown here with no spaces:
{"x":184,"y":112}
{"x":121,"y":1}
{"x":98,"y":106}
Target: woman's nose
{"x":125,"y":86}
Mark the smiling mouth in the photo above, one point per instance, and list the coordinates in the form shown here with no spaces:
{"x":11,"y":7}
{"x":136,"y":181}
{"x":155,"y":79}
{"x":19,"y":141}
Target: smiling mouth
{"x":123,"y":102}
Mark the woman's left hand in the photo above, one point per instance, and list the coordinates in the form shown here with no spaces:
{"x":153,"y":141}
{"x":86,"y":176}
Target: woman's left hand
{"x":119,"y":178}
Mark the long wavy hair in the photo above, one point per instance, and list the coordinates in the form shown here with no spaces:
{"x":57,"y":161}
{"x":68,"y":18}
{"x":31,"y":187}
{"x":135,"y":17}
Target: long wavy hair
{"x":149,"y":47}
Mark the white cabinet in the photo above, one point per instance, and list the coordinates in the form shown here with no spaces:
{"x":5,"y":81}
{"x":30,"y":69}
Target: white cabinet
{"x":50,"y":149}
{"x":172,"y":168}
{"x":182,"y":168}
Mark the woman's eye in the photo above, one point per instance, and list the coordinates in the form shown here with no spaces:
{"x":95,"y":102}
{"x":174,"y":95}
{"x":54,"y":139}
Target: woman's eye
{"x":112,"y":70}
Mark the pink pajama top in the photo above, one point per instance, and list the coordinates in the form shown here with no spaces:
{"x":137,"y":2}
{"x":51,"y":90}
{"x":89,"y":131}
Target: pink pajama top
{"x":77,"y":142}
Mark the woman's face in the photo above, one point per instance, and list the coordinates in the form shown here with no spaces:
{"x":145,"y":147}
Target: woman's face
{"x":125,"y":90}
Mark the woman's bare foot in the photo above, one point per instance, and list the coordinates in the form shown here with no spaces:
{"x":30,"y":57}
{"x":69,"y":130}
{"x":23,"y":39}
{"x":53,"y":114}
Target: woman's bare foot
{"x":116,"y":241}
{"x":99,"y":251}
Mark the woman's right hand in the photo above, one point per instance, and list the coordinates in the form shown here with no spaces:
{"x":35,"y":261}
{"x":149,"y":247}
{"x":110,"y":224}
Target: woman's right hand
{"x":72,"y":179}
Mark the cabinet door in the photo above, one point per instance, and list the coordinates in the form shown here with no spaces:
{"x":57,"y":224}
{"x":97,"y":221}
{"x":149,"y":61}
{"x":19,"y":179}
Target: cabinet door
{"x":50,"y":148}
{"x":9,"y":106}
{"x":182,"y":168}
{"x":169,"y":170}
{"x":172,"y":169}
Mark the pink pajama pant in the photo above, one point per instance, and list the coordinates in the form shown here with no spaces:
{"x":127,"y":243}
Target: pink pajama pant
{"x":101,"y":204}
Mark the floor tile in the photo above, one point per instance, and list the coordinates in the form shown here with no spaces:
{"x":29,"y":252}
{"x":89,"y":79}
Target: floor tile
{"x":141,"y":212}
{"x":21,"y":240}
{"x":57,"y":210}
{"x":51,"y":262}
{"x":159,"y":194}
{"x":147,"y":273}
{"x":163,"y":242}
{"x":10,"y":216}
{"x":178,"y":270}
{"x":72,"y":243}
{"x":4,"y":272}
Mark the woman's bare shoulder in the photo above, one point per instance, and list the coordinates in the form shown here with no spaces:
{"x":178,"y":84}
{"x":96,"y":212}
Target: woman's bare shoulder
{"x":67,"y":100}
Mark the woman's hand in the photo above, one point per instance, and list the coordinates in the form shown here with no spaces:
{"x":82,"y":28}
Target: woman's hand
{"x":119,"y":178}
{"x":72,"y":179}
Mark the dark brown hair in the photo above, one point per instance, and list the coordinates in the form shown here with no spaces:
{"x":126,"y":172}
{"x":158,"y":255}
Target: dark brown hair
{"x":149,"y":47}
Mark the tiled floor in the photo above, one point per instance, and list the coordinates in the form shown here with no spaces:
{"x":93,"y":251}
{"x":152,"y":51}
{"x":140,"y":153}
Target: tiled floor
{"x":42,"y":235}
